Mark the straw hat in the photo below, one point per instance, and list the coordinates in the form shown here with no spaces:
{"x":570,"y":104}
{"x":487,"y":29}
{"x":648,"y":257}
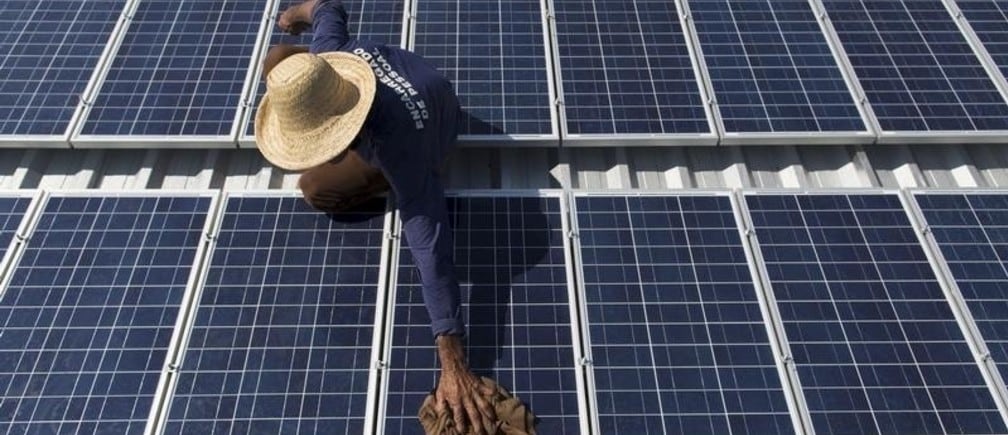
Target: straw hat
{"x":313,"y":108}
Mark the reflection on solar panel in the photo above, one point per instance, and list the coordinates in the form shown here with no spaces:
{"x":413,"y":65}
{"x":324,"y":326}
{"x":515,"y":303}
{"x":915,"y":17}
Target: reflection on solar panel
{"x":989,"y":20}
{"x":771,"y":67}
{"x":180,"y":69}
{"x":12,"y":210}
{"x":283,"y":334}
{"x":678,"y":343}
{"x":48,"y":50}
{"x":89,"y":312}
{"x":916,"y":67}
{"x":972,"y":232}
{"x":493,"y":52}
{"x":372,"y":20}
{"x":874,"y":340}
{"x":509,"y":252}
{"x":626,"y":68}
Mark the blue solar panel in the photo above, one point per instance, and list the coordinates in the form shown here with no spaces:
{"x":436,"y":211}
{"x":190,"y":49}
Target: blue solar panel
{"x":771,"y":67}
{"x":494,"y":53}
{"x":12,"y":211}
{"x":874,"y":340}
{"x":48,"y":51}
{"x":972,"y":232}
{"x":915,"y":66}
{"x":989,"y":20}
{"x":372,"y":20}
{"x":678,"y":342}
{"x":626,"y":68}
{"x":283,"y":333}
{"x":180,"y":69}
{"x":89,"y":312}
{"x":510,"y":258}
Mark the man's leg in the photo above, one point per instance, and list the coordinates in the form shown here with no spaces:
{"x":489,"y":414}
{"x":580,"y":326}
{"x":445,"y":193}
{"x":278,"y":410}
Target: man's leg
{"x":341,"y":184}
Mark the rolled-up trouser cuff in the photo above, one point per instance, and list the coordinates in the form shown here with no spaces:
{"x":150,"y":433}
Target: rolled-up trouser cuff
{"x":448,"y":327}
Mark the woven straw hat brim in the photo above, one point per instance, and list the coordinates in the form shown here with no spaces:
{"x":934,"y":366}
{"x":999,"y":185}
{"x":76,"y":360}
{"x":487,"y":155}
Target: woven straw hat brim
{"x":299,"y":150}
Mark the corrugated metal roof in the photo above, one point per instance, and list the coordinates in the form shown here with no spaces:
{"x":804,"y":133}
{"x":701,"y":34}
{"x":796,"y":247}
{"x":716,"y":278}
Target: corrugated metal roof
{"x":648,"y":168}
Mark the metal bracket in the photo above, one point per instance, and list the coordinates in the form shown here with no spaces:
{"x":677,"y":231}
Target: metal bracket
{"x":572,"y":234}
{"x":585,"y":362}
{"x":380,"y":365}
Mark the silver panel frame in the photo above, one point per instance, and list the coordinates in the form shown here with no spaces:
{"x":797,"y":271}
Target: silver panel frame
{"x":708,"y":138}
{"x":771,"y":318}
{"x":12,"y":256}
{"x":900,"y":195}
{"x":167,"y":386}
{"x":101,"y":65}
{"x":36,"y":209}
{"x":577,"y":365}
{"x":77,"y":139}
{"x":854,"y":137}
{"x":507,"y":139}
{"x":939,"y":264}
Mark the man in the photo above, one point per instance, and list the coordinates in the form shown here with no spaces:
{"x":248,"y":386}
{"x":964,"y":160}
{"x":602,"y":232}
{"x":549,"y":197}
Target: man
{"x":359,"y":117}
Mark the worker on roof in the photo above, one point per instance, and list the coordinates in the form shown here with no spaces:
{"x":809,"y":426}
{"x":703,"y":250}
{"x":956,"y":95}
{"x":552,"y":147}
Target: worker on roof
{"x":358,"y":117}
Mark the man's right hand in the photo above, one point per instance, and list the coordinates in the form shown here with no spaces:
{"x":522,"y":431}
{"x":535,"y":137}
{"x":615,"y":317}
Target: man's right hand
{"x":461,"y":391}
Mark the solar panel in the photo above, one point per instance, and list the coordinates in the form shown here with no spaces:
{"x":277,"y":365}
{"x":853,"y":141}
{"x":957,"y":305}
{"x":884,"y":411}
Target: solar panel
{"x":48,"y":50}
{"x":971,"y":230}
{"x":494,"y":53}
{"x":989,"y":20}
{"x":372,"y":20}
{"x":284,"y":330}
{"x":509,"y":253}
{"x":89,"y":312}
{"x":915,"y":66}
{"x":179,"y":71}
{"x":874,"y":340}
{"x":626,"y":69}
{"x":771,"y":68}
{"x":678,"y":342}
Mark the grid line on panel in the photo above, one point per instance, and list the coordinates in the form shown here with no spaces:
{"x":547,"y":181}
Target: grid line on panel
{"x":970,"y":230}
{"x":916,"y":68}
{"x":283,"y":331}
{"x":677,"y":337}
{"x":509,"y":253}
{"x":875,"y":343}
{"x":626,"y":68}
{"x":48,"y":51}
{"x":372,"y":20}
{"x":180,"y":70}
{"x":989,"y":20}
{"x":771,"y":68}
{"x":83,"y":347}
{"x":494,"y":54}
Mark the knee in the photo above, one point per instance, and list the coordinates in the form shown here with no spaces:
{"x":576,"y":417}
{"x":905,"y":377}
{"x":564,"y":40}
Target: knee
{"x":312,"y":191}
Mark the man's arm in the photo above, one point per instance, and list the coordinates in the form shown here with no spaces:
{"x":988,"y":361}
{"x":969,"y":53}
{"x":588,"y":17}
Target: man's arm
{"x":326,"y":18}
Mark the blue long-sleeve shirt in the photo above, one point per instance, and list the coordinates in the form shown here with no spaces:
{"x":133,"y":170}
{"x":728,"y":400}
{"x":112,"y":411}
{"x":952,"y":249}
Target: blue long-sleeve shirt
{"x":412,"y":125}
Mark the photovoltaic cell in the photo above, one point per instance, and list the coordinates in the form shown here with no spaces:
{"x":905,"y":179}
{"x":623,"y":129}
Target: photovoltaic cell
{"x":12,"y":211}
{"x":494,"y":53}
{"x":48,"y":50}
{"x":283,"y":333}
{"x":180,"y":69}
{"x":972,"y":233}
{"x":771,"y":68}
{"x":875,"y":343}
{"x":89,"y":312}
{"x":372,"y":20}
{"x":678,"y":341}
{"x":989,"y":19}
{"x":917,"y":69}
{"x":626,"y":68}
{"x":510,"y":258}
